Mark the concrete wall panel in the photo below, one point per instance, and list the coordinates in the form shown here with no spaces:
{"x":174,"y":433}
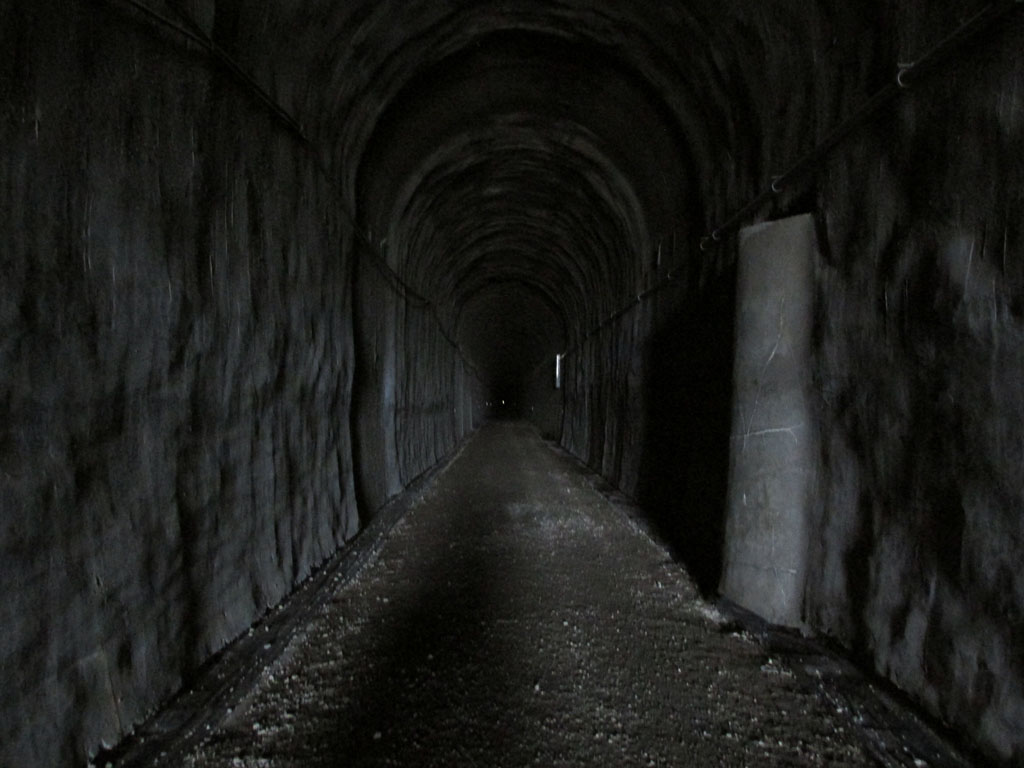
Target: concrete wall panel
{"x":773,"y":461}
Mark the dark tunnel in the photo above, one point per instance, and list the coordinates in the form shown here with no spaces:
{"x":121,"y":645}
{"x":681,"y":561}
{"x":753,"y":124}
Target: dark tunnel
{"x":265,"y":265}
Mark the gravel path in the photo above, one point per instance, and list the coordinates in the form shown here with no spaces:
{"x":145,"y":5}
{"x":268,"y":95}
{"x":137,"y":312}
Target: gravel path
{"x":517,"y":617}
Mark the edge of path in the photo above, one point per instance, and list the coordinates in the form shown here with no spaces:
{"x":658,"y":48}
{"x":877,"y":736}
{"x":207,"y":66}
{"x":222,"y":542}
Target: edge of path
{"x":893,"y":729}
{"x":230,"y":675}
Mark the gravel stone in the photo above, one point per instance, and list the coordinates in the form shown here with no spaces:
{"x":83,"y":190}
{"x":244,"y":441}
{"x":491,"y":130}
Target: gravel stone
{"x":517,"y":616}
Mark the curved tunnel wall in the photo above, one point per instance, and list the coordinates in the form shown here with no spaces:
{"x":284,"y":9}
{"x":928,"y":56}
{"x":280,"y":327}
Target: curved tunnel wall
{"x":224,"y":348}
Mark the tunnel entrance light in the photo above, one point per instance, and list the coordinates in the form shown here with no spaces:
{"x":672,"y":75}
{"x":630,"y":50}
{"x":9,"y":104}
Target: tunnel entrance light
{"x":558,"y":371}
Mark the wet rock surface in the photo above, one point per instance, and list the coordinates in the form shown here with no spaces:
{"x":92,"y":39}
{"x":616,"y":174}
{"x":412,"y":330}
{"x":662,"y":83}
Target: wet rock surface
{"x":516,"y":616}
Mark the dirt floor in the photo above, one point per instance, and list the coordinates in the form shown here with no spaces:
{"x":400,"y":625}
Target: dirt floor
{"x":517,"y":617}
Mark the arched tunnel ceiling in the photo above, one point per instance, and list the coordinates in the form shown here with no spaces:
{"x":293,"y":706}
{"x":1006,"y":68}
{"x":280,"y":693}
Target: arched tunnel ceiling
{"x":520,"y":143}
{"x":526,"y":206}
{"x":549,"y":145}
{"x":523,"y":157}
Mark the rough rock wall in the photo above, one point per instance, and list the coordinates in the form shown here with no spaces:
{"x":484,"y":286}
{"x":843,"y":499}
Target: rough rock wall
{"x":920,"y":348}
{"x":375,"y":394}
{"x":434,"y":402}
{"x":414,"y":395}
{"x":603,"y":415}
{"x":658,"y":428}
{"x":176,"y":366}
